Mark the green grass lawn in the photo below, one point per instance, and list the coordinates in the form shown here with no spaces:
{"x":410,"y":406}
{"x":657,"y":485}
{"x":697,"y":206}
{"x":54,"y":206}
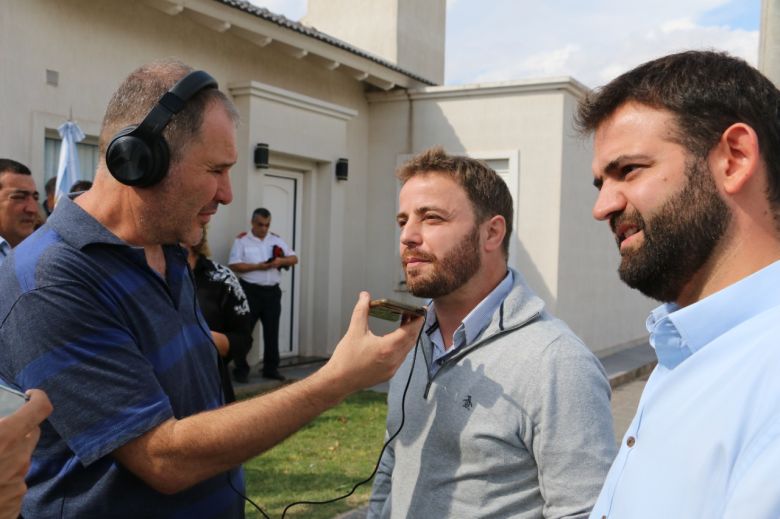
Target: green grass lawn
{"x":322,"y":461}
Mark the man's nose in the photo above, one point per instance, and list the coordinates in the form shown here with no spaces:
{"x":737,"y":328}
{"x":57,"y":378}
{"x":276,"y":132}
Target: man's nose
{"x":30,"y":205}
{"x":610,"y":200}
{"x":224,"y":190}
{"x":410,"y":233}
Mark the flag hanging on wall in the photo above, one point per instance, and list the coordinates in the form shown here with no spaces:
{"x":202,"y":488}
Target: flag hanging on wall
{"x":68,"y":168}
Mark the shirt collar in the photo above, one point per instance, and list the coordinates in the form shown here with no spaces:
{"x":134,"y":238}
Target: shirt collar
{"x":261,"y":240}
{"x":480,"y":316}
{"x":477,"y":319}
{"x":677,"y":333}
{"x":79,"y":228}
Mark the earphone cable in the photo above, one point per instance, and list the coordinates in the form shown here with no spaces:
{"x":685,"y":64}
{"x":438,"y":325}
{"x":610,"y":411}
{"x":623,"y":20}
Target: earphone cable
{"x":384,"y":447}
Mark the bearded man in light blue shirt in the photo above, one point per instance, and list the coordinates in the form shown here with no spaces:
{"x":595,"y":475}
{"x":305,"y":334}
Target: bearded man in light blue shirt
{"x":687,"y":167}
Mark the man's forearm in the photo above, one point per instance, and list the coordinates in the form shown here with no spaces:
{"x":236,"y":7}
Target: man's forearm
{"x":244,"y":267}
{"x":180,"y":453}
{"x":288,"y":261}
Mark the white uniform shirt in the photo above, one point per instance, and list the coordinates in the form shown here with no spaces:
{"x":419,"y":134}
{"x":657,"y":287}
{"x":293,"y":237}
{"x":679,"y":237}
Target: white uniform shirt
{"x":251,"y":249}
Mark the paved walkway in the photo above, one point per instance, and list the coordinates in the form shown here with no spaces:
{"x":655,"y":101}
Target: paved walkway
{"x":621,"y":367}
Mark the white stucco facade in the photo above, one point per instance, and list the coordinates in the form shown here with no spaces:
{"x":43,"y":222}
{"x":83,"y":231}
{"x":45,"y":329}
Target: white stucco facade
{"x":312,"y":103}
{"x":769,"y":40}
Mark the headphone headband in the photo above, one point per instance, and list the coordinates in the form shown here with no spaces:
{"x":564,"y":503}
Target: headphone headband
{"x":174,"y":100}
{"x":138,"y":155}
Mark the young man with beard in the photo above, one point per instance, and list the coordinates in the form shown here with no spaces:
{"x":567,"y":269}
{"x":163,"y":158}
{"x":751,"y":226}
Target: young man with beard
{"x":507,"y":412}
{"x":687,"y":163}
{"x":98,"y":309}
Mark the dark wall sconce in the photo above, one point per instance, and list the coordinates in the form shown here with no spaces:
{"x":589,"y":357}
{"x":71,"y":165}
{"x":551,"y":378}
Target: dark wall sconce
{"x":342,"y":169}
{"x":261,"y":155}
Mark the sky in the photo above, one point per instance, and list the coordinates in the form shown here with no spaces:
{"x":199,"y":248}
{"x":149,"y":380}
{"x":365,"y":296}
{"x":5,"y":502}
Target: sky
{"x":592,"y":41}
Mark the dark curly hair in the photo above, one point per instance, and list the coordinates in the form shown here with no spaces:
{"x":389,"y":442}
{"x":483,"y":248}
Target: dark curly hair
{"x":706,"y":91}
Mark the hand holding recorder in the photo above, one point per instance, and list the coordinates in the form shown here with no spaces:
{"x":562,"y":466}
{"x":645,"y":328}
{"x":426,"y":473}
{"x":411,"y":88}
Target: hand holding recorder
{"x":362,"y":359}
{"x":392,"y":310}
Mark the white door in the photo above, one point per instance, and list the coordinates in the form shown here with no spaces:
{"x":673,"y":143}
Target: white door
{"x":282,"y":196}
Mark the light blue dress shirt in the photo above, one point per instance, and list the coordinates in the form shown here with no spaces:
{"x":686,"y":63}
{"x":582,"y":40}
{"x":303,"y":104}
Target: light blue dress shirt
{"x":471,"y":326}
{"x":705,"y":441}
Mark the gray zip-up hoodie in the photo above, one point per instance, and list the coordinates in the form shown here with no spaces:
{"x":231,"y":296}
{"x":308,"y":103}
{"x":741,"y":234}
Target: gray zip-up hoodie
{"x":516,"y":424}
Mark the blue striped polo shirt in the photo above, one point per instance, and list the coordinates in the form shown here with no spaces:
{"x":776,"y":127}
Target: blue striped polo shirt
{"x":119,"y":350}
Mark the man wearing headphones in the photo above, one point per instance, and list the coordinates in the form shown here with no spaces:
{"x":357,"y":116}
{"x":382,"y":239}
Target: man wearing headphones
{"x":139,"y":429}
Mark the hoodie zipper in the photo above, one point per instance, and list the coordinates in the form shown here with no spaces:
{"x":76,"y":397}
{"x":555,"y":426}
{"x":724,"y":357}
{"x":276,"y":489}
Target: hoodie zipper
{"x":473,"y":347}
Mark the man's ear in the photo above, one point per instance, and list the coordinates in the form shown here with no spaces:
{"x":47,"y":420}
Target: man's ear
{"x":494,"y":231}
{"x":735,"y":158}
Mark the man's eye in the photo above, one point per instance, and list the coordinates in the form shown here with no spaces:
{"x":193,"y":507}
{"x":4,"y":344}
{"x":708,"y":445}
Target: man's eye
{"x":20,"y":196}
{"x":628,"y":168}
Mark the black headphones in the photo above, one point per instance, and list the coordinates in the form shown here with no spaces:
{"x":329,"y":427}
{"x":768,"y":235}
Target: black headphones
{"x":138,"y":155}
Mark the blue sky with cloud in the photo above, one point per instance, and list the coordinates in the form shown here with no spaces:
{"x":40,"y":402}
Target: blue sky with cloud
{"x":593,"y":41}
{"x":745,"y":14}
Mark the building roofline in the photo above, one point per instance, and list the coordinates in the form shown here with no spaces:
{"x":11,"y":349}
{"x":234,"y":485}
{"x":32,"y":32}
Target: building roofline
{"x":312,"y":32}
{"x":522,"y":86}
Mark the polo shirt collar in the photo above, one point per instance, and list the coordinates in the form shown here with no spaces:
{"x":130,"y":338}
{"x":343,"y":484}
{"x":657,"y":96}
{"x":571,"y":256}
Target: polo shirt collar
{"x":677,"y":333}
{"x":79,"y":228}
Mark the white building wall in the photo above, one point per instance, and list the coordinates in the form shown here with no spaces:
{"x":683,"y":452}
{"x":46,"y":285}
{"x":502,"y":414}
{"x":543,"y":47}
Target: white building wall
{"x":409,"y":33}
{"x":769,"y":40}
{"x":591,"y":297}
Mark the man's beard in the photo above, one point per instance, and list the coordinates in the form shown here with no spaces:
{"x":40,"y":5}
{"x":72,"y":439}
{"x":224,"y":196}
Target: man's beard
{"x":448,"y":273}
{"x":678,"y":240}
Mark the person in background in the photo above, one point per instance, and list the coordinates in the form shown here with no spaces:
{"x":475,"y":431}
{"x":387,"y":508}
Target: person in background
{"x":80,"y":186}
{"x":258,"y":258}
{"x":48,"y":202}
{"x":224,"y":306}
{"x":18,"y":205}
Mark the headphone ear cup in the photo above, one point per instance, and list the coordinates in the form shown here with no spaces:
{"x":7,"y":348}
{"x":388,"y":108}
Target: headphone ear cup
{"x":137,"y":161}
{"x":160,"y":160}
